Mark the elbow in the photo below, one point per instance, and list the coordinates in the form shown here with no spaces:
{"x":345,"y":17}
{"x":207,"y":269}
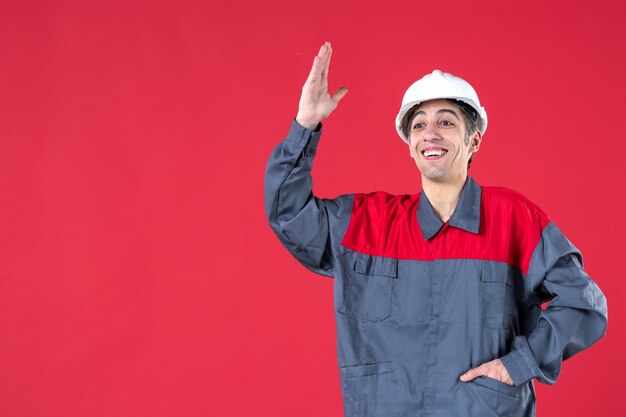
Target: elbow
{"x":593,"y":296}
{"x":602,"y":320}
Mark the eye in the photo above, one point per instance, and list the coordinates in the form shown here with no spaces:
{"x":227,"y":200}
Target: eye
{"x":418,"y":126}
{"x":446,"y":123}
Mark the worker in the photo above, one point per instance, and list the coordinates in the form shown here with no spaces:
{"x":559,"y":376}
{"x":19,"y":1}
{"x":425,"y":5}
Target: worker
{"x":437,"y":295}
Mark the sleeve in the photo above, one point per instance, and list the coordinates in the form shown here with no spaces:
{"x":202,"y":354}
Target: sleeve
{"x":299,"y":219}
{"x":575,"y":317}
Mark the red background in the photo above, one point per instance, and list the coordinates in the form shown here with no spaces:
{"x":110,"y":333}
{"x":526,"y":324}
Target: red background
{"x":138,"y":276}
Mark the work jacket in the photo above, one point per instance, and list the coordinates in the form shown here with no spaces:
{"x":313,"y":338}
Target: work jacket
{"x":418,"y":302}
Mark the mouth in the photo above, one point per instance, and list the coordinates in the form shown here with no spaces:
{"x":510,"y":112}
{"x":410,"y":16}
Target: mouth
{"x":433,"y":154}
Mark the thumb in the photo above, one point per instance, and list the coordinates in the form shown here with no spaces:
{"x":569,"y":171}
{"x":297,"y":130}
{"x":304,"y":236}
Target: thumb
{"x":339,"y":94}
{"x":469,"y":375}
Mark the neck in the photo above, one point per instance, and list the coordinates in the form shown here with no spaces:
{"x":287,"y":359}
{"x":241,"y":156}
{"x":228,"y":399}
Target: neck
{"x":444,"y":196}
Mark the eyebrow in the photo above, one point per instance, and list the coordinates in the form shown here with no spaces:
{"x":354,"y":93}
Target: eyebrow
{"x":438,"y":111}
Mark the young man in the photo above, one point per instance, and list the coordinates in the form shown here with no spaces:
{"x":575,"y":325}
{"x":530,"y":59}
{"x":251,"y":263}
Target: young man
{"x":437,"y":295}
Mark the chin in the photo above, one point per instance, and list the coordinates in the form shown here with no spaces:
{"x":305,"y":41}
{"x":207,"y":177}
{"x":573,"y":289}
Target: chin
{"x":435,"y":175}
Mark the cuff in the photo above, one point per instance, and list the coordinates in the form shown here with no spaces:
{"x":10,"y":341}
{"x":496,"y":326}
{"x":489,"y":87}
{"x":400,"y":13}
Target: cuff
{"x":520,"y":363}
{"x":300,"y":137}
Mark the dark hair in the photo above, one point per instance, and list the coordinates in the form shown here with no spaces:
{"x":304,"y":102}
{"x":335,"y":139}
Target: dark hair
{"x":469,"y":116}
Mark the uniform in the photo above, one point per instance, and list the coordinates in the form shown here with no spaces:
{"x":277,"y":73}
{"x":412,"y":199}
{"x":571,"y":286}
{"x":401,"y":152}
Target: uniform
{"x":418,"y":301}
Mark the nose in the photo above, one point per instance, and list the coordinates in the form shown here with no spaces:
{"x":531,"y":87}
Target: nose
{"x":431,"y":132}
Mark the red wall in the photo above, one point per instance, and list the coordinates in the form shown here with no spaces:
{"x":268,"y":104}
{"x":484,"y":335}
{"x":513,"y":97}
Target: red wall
{"x":138,"y":276}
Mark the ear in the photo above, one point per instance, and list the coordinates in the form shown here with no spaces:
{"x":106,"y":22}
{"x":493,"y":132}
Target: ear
{"x":475,"y":141}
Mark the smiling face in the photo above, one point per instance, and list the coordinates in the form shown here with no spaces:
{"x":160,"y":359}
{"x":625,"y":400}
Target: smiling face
{"x":439,"y":142}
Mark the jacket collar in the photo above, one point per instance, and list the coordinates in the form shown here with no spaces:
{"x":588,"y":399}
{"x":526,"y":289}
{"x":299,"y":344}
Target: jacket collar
{"x":466,"y":215}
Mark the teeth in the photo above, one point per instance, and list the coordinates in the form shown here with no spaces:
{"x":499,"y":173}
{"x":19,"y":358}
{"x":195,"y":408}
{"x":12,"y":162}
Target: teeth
{"x":434,"y":152}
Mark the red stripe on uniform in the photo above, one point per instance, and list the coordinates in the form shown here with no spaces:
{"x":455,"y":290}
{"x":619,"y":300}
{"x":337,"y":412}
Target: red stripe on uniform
{"x":386,"y":225}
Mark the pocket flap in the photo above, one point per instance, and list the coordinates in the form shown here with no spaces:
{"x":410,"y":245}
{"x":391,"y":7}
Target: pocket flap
{"x":357,"y":371}
{"x":496,"y":272}
{"x":376,"y":265}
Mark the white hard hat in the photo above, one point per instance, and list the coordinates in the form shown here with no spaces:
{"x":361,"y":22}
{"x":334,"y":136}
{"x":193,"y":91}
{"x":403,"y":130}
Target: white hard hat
{"x":440,"y":85}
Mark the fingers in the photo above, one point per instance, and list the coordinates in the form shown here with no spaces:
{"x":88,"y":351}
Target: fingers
{"x":316,"y":70}
{"x":320,"y":63}
{"x":473,"y":373}
{"x":329,"y":53}
{"x":493,"y":369}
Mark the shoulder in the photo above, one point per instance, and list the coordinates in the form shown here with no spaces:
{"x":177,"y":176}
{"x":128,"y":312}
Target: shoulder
{"x":519,"y":207}
{"x":513,"y":222}
{"x":384,"y":200}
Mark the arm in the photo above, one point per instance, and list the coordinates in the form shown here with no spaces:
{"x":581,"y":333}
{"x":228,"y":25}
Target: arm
{"x":299,"y":219}
{"x":574,"y":319}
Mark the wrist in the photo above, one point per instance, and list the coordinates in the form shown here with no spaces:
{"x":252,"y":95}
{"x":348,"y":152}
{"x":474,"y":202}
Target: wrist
{"x":310,"y":124}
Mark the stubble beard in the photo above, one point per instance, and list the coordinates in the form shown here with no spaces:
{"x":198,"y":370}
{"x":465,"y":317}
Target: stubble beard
{"x":435,"y":174}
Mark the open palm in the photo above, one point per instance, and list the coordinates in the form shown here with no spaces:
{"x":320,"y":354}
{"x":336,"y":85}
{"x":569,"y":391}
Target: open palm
{"x":316,"y":103}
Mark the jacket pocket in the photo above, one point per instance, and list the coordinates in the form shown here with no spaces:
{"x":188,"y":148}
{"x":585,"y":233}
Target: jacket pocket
{"x":498,"y":300}
{"x":368,"y":288}
{"x":484,"y":396}
{"x":369,"y":390}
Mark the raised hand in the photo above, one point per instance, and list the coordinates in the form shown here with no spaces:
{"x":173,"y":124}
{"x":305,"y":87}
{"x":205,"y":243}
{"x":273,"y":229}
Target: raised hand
{"x":315,"y":103}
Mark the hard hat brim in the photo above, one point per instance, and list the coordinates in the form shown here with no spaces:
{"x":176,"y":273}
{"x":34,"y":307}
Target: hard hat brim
{"x":481,"y":120}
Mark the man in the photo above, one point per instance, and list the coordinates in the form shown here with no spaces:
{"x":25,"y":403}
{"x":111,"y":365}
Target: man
{"x":437,"y":295}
